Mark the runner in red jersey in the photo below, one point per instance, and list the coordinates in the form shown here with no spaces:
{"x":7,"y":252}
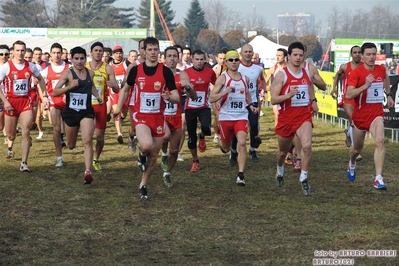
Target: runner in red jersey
{"x":151,"y":79}
{"x":203,"y":79}
{"x":348,"y":105}
{"x":16,"y":76}
{"x":293,"y":91}
{"x":52,"y":74}
{"x":366,"y":85}
{"x":173,"y":116}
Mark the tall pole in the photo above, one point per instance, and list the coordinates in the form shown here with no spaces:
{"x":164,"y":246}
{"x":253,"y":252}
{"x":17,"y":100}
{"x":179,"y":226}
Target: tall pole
{"x":151,"y":31}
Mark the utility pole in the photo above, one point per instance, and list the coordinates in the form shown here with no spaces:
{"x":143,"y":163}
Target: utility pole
{"x":151,"y":31}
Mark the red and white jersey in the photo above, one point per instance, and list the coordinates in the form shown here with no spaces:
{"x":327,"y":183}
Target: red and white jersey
{"x":299,"y":107}
{"x":17,"y":78}
{"x":233,"y":106}
{"x":174,"y":109}
{"x":253,"y":72}
{"x":52,"y":74}
{"x":201,"y":81}
{"x":148,"y":99}
{"x":120,"y":71}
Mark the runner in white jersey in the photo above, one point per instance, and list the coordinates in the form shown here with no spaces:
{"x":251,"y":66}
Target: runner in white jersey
{"x":232,"y":97}
{"x":254,"y":73}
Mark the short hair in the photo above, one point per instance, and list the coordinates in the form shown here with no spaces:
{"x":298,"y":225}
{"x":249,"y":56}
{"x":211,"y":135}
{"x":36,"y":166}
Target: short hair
{"x":367,"y":45}
{"x":295,"y":45}
{"x":282,"y":50}
{"x":353,"y":47}
{"x":29,"y":50}
{"x":97,"y":44}
{"x":171,"y":48}
{"x":224,"y":50}
{"x":187,"y":48}
{"x":150,"y":40}
{"x":18,"y":43}
{"x":56,"y":45}
{"x":133,"y":51}
{"x":199,"y":52}
{"x":108,"y":49}
{"x":78,"y":50}
{"x":4,"y":46}
{"x":37,"y":49}
{"x":142,"y":40}
{"x":178,"y":47}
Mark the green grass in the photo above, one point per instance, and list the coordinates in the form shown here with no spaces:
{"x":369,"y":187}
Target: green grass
{"x":48,"y":217}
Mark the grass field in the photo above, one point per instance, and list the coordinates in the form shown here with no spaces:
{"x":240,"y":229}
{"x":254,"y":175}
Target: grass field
{"x":48,"y":217}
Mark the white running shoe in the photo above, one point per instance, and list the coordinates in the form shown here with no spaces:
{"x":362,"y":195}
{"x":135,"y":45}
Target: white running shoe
{"x":40,"y":135}
{"x":24,"y":167}
{"x":179,"y":158}
{"x":60,"y":162}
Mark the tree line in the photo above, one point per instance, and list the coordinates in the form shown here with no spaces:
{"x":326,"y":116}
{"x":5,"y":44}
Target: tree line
{"x":205,"y":26}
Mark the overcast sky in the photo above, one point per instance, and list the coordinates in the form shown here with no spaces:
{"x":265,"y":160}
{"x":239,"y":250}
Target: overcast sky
{"x":270,"y":8}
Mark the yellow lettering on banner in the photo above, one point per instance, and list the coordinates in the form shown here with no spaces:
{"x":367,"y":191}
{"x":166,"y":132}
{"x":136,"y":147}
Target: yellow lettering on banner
{"x":327,"y":104}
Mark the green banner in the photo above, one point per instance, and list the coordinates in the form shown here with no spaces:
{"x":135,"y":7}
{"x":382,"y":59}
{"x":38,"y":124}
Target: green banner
{"x":97,"y":33}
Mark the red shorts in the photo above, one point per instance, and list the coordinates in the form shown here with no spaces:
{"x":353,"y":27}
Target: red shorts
{"x":19,"y":104}
{"x":156,"y":123}
{"x":132,"y":111}
{"x":288,"y":130}
{"x":100,"y":114}
{"x":58,"y":102}
{"x":174,"y":122}
{"x":230,"y":128}
{"x":34,"y":96}
{"x":364,"y":125}
{"x":114,"y":97}
{"x":346,"y":101}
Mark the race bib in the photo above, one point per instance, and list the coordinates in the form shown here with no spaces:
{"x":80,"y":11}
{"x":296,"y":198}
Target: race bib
{"x":375,"y":94}
{"x":236,"y":105}
{"x":199,"y":102}
{"x":77,"y":101}
{"x":302,"y":97}
{"x":119,"y":80}
{"x":20,"y":87}
{"x":150,"y":102}
{"x":171,"y":108}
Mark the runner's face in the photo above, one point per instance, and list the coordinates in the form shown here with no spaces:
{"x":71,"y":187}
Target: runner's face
{"x":356,"y":55}
{"x":296,"y":57}
{"x":186,"y":55}
{"x":198,"y":61}
{"x":105,"y":57}
{"x":28,"y":56}
{"x":37,"y":56}
{"x":4,"y":58}
{"x":171,"y":59}
{"x":97,"y":53}
{"x":56,"y":55}
{"x":79,"y":61}
{"x":247,"y":53}
{"x":369,"y":56}
{"x":133,"y":57}
{"x":280,"y":57}
{"x":19,"y":51}
{"x":118,"y":56}
{"x":142,"y":51}
{"x":151,"y":53}
{"x":221,"y":59}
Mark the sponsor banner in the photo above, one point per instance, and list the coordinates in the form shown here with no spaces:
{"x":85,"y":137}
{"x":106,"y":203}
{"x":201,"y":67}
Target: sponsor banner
{"x":97,"y":33}
{"x":23,"y":32}
{"x":327,"y":104}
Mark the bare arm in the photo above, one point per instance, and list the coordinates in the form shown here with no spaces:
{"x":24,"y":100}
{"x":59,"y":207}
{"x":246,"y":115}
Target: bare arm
{"x":66,"y":78}
{"x":341,"y":70}
{"x":276,"y":88}
{"x":353,"y":92}
{"x":216,"y":94}
{"x":316,"y":79}
{"x":112,"y":83}
{"x":387,"y":86}
{"x":185,"y":81}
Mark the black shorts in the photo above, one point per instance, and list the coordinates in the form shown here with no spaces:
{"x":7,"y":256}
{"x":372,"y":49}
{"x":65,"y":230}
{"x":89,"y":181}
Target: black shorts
{"x":73,"y":119}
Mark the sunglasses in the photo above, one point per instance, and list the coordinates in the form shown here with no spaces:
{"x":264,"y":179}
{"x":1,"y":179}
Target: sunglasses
{"x":233,"y":59}
{"x":4,"y":54}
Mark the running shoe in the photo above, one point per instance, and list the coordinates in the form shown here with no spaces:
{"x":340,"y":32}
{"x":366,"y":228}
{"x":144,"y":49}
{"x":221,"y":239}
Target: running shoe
{"x":10,"y":154}
{"x":351,"y":173}
{"x":88,"y":177}
{"x":165,"y":162}
{"x":167,"y":179}
{"x":133,"y":144}
{"x":348,"y":140}
{"x":379,"y":184}
{"x":298,"y":165}
{"x":202,"y":144}
{"x":258,"y":141}
{"x":63,"y":144}
{"x":240,"y":180}
{"x":359,"y":158}
{"x":194,"y":167}
{"x":60,"y":162}
{"x":24,"y":167}
{"x":279,"y":180}
{"x":288,"y":160}
{"x":40,"y":136}
{"x":305,"y":187}
{"x":120,"y":138}
{"x":97,"y":165}
{"x":254,"y":156}
{"x":216,"y":139}
{"x":144,"y":193}
{"x":233,"y":158}
{"x":141,"y":162}
{"x":179,"y":158}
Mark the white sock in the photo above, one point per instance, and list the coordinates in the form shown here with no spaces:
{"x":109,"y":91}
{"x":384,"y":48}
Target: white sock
{"x":350,"y":133}
{"x":280,"y":170}
{"x":303,"y":176}
{"x":352,"y":166}
{"x":165,"y":153}
{"x":59,"y":158}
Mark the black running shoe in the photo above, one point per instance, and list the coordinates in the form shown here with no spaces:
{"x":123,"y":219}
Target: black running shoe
{"x":233,"y":158}
{"x":240,"y":180}
{"x":305,"y":187}
{"x":254,"y":156}
{"x":279,"y":180}
{"x":63,"y":144}
{"x":143,"y":192}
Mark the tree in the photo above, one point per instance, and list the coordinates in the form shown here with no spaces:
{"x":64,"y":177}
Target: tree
{"x":66,"y":14}
{"x":233,"y":39}
{"x":22,"y":13}
{"x":286,"y":39}
{"x":195,"y":20}
{"x":220,"y":17}
{"x":210,"y":41}
{"x":313,"y":46}
{"x":180,"y":35}
{"x":167,"y":12}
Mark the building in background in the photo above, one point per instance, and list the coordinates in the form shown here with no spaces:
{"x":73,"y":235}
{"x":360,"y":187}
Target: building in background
{"x":299,"y":24}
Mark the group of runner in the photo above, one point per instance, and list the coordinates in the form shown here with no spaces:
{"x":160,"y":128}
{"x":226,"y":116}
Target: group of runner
{"x":165,"y":99}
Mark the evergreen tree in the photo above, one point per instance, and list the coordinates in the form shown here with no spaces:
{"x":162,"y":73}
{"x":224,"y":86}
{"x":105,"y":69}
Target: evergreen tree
{"x":168,"y":14}
{"x":22,"y":13}
{"x":195,"y":21}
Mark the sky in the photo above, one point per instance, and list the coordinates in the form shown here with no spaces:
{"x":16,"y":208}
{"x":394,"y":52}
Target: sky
{"x":271,"y":8}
